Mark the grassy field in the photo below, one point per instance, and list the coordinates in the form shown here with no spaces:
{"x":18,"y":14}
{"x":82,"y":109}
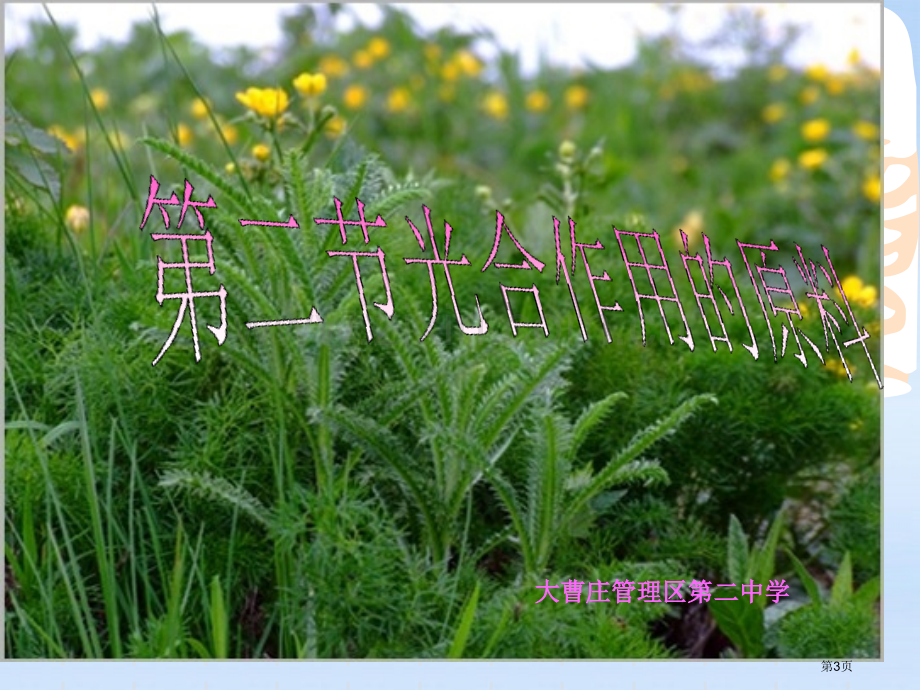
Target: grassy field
{"x":304,"y":491}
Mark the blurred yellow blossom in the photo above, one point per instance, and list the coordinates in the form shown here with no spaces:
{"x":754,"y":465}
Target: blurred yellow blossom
{"x":816,"y":72}
{"x":261,"y":152}
{"x":858,"y":292}
{"x":496,"y":105}
{"x":872,"y":188}
{"x":854,"y":57}
{"x":363,"y":59}
{"x":398,"y":99}
{"x":77,"y":218}
{"x":450,"y":71}
{"x":804,"y":310}
{"x":355,"y":97}
{"x":576,"y":96}
{"x":866,"y":130}
{"x":199,"y":109}
{"x":100,"y":98}
{"x":773,"y":113}
{"x":447,"y":92}
{"x":837,"y":367}
{"x":264,"y":102}
{"x":777,"y":73}
{"x":310,"y":84}
{"x":335,"y":127}
{"x":812,"y":158}
{"x":378,"y":47}
{"x":816,"y":130}
{"x":692,"y":225}
{"x":809,"y":95}
{"x":230,"y":132}
{"x":779,"y":170}
{"x":536,"y":101}
{"x":70,"y":141}
{"x":835,"y":86}
{"x":184,"y":134}
{"x":468,"y":63}
{"x":230,"y":168}
{"x":432,"y":51}
{"x":333,"y":66}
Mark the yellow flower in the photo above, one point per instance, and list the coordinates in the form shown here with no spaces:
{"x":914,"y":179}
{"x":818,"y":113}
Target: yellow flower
{"x":261,"y":152}
{"x":398,"y":99}
{"x":496,"y":105}
{"x":692,"y":225}
{"x":70,"y":141}
{"x":378,"y":47}
{"x":779,"y":169}
{"x":363,"y":59}
{"x":537,"y":101}
{"x":230,"y":168}
{"x":773,"y":113}
{"x":310,"y":84}
{"x":335,"y":127}
{"x":837,"y":367}
{"x":450,"y":71}
{"x":77,"y":219}
{"x":776,"y":73}
{"x":812,"y":158}
{"x":100,"y":98}
{"x":576,"y":96}
{"x":333,"y":66}
{"x":432,"y":51}
{"x":854,"y":57}
{"x":184,"y":134}
{"x":809,"y":95}
{"x":354,"y":97}
{"x":835,"y":86}
{"x":816,"y":72}
{"x":804,"y":310}
{"x":866,"y":130}
{"x":858,"y":292}
{"x":231,"y":133}
{"x":447,"y":92}
{"x":871,"y":188}
{"x":816,"y":130}
{"x":264,"y":102}
{"x":469,"y":64}
{"x":199,"y":109}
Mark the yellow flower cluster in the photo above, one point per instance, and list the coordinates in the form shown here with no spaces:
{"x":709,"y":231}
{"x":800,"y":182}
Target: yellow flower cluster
{"x":576,"y":97}
{"x":496,"y":105}
{"x":866,"y":130}
{"x":100,"y":98}
{"x":261,"y":152}
{"x":398,"y":99}
{"x":872,"y":188}
{"x":377,"y":49}
{"x":837,"y":367}
{"x":310,"y":85}
{"x":72,"y":141}
{"x":537,"y":101}
{"x":77,"y":219}
{"x":773,"y":113}
{"x":812,"y":159}
{"x":462,"y":63}
{"x":268,"y":103}
{"x":809,"y":95}
{"x":355,"y":97}
{"x":779,"y":170}
{"x":333,"y":66}
{"x":816,"y":130}
{"x":858,"y":292}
